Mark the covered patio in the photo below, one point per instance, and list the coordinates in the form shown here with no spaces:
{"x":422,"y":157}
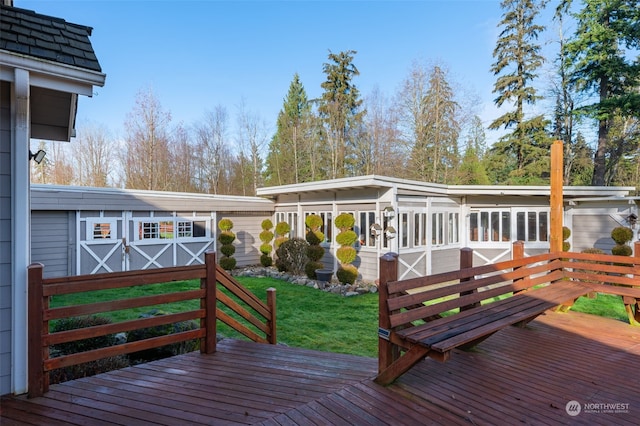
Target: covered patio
{"x":526,"y":376}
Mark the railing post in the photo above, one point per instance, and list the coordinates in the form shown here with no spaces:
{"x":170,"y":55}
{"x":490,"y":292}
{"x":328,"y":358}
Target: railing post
{"x":466,"y":261}
{"x":271,"y":322}
{"x":37,"y":383}
{"x":208,"y":344}
{"x":517,"y":252}
{"x":636,"y":305}
{"x":387,"y":351}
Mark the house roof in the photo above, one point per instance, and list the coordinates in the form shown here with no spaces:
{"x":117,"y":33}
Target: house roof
{"x":405,"y":186}
{"x":28,"y":33}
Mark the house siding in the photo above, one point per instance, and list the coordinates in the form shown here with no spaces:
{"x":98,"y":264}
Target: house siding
{"x":588,"y":232}
{"x":5,"y":238}
{"x":51,"y":242}
{"x":247,"y":229}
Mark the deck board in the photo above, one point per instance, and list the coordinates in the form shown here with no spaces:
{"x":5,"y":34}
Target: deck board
{"x":516,"y":376}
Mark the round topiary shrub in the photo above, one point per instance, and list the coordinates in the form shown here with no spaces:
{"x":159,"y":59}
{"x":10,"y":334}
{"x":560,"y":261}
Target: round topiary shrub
{"x":347,"y":274}
{"x":282,"y":234}
{"x":315,"y":252}
{"x":226,"y":238}
{"x":228,"y":263}
{"x":621,"y":250}
{"x":622,"y":234}
{"x":566,"y":233}
{"x":266,"y":236}
{"x":346,"y":254}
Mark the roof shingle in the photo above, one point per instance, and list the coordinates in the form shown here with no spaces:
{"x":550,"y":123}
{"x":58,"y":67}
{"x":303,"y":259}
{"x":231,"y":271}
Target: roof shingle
{"x":46,"y":37}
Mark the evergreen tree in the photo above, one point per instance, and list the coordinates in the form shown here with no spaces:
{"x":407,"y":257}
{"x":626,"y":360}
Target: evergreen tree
{"x":472,"y":170}
{"x":340,"y":111}
{"x":289,"y":159}
{"x":517,"y":59}
{"x":601,"y":56}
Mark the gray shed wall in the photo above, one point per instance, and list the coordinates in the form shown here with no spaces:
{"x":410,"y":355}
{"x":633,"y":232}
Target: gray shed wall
{"x":52,"y":242}
{"x":593,"y":231}
{"x":5,"y":238}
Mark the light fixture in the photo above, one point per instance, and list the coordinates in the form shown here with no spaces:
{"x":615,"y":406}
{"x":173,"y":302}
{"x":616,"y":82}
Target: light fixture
{"x":38,"y":156}
{"x":389,"y":212}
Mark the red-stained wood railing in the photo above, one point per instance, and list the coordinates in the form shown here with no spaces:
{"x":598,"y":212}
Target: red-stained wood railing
{"x":411,"y":312}
{"x":255,"y":319}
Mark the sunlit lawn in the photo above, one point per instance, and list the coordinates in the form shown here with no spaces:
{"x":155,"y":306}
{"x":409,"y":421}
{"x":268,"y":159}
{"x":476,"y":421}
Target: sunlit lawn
{"x":306,"y":317}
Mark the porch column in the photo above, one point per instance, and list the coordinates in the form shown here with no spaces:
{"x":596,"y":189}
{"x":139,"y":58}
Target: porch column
{"x":20,"y":230}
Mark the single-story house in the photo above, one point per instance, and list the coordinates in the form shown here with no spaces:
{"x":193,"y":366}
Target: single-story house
{"x":45,"y":64}
{"x":78,"y":230}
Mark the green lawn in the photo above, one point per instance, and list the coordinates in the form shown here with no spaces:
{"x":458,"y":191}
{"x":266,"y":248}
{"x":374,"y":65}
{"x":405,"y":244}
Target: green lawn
{"x":307,"y":317}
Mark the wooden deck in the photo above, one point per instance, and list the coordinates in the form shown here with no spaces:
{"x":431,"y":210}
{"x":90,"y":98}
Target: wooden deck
{"x":516,"y":376}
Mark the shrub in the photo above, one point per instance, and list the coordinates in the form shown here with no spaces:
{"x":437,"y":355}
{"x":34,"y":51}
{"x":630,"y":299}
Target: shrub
{"x":346,"y":254}
{"x":310,"y":269}
{"x":228,"y":263}
{"x":314,"y":237}
{"x":226,"y":237}
{"x":622,"y":235}
{"x":282,"y":229}
{"x":88,"y":368}
{"x":315,"y":253}
{"x":345,"y":221}
{"x":566,"y":233}
{"x":346,"y":238}
{"x":265,"y":248}
{"x":228,"y":249}
{"x":593,"y":250}
{"x":266,"y":237}
{"x":292,"y":256}
{"x":162,"y":330}
{"x":622,"y":250}
{"x":566,"y":246}
{"x":266,"y":260}
{"x":347,"y":274}
{"x":313,"y":221}
{"x":225,"y":224}
{"x":266,"y":224}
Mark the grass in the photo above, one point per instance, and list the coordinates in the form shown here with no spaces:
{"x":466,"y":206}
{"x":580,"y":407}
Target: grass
{"x":306,"y":317}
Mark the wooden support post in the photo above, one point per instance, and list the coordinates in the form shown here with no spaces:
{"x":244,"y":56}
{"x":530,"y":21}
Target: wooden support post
{"x":556,"y":197}
{"x":36,"y":353}
{"x":466,"y":261}
{"x":387,"y":351}
{"x":632,"y":306}
{"x":517,"y":252}
{"x":208,"y":343}
{"x":271,"y":322}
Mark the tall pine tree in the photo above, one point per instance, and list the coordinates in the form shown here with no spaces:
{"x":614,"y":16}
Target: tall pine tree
{"x":340,"y":111}
{"x":517,"y":60}
{"x":604,"y":63}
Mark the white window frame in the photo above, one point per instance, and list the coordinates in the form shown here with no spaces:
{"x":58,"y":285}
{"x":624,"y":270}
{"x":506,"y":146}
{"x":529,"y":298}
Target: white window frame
{"x":90,"y":224}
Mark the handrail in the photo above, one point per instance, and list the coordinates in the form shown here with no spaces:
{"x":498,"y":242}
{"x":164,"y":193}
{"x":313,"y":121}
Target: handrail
{"x":259,"y":315}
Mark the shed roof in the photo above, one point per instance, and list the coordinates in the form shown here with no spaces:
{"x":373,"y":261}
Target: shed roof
{"x":45,"y":37}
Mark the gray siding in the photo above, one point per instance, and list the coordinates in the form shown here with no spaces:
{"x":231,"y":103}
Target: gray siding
{"x":51,"y":237}
{"x":445,"y":260}
{"x":247,"y":229}
{"x":5,"y":238}
{"x":592,"y":231}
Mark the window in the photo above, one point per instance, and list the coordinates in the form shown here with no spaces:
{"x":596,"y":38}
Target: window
{"x":292,"y":219}
{"x":366,"y":220}
{"x":437,"y":229}
{"x":532,"y":226}
{"x":404,"y":229}
{"x":101,"y":231}
{"x":420,"y":229}
{"x":454,"y":233}
{"x":148,"y":230}
{"x":490,"y":225}
{"x":191,"y":229}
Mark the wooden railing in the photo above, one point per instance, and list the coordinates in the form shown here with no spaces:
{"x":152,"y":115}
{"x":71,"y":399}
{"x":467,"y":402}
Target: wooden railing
{"x":258,"y":315}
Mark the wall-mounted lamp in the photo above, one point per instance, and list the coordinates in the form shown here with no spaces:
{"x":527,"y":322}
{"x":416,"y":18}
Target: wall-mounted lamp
{"x":376,"y":230}
{"x":390,"y":233}
{"x":38,"y":156}
{"x":389,"y":212}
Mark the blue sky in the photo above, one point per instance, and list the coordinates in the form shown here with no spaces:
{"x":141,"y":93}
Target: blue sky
{"x":196,"y":55}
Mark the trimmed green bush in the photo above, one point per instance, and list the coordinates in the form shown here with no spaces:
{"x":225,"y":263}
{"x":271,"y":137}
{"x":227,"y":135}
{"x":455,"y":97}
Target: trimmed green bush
{"x":346,"y":254}
{"x":621,"y":250}
{"x":566,"y":233}
{"x":347,"y":274}
{"x":225,"y":224}
{"x":228,"y":249}
{"x":228,"y":263}
{"x":315,"y":252}
{"x":347,"y":238}
{"x":292,"y":256}
{"x":88,"y":368}
{"x":345,"y":221}
{"x":310,"y":269}
{"x":282,"y":229}
{"x":622,"y":234}
{"x":265,"y":248}
{"x":266,"y":236}
{"x":162,"y":330}
{"x":226,"y":238}
{"x":266,"y":260}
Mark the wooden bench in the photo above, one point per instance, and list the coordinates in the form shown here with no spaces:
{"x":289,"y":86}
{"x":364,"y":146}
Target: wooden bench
{"x":431,"y":316}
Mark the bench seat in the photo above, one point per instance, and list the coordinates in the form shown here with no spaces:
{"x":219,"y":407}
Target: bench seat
{"x":469,"y":327}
